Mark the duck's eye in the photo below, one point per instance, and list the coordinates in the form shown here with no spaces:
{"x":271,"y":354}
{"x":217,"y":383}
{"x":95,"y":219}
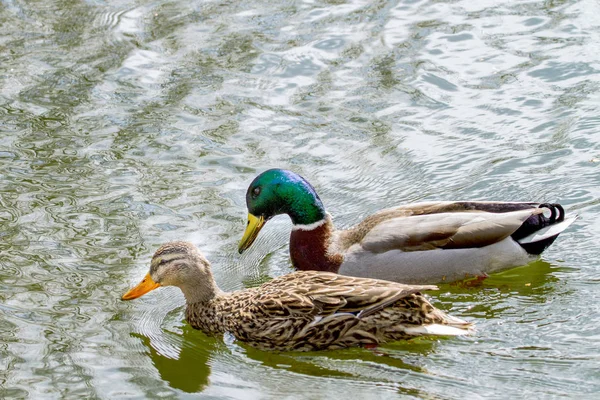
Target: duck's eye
{"x":256,"y":191}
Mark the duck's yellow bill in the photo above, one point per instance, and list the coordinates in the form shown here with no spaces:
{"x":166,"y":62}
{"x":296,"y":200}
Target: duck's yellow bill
{"x":254,"y":226}
{"x":145,"y":286}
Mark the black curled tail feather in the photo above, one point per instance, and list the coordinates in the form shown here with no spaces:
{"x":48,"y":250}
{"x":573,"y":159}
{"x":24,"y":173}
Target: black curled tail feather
{"x":557,"y":212}
{"x":536,"y":222}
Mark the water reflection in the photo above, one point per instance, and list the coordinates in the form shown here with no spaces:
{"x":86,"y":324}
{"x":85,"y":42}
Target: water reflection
{"x":390,"y":365}
{"x":189,"y":368}
{"x":126,"y":124}
{"x":510,"y":295}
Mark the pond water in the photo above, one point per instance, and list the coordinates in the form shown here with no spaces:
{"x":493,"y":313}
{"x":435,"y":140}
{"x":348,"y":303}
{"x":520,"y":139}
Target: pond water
{"x":126,"y":124}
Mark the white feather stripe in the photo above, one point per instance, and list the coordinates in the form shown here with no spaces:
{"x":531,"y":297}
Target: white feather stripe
{"x":309,"y":227}
{"x":548,"y":231}
{"x":438,"y":329}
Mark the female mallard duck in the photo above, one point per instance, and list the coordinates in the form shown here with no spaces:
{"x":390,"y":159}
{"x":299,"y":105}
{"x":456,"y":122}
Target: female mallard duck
{"x":416,"y":243}
{"x":307,"y":310}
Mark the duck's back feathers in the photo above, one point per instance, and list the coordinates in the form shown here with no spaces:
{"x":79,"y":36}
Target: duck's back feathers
{"x":450,"y":225}
{"x":445,"y":241}
{"x":323,"y":293}
{"x":455,"y":230}
{"x":311,"y":310}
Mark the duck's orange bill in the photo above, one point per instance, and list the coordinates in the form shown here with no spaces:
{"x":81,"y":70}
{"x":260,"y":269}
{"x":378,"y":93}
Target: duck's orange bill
{"x":145,"y":286}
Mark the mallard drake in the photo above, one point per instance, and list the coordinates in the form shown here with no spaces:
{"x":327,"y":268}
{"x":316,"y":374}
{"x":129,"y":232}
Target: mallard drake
{"x":418,"y":243}
{"x":305,"y":310}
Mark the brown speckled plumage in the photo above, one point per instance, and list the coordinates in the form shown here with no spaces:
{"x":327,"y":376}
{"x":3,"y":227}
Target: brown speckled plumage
{"x":305,"y":310}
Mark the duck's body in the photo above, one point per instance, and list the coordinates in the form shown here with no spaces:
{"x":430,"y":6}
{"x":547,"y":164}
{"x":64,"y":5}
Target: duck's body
{"x":307,"y":310}
{"x":417,"y":243}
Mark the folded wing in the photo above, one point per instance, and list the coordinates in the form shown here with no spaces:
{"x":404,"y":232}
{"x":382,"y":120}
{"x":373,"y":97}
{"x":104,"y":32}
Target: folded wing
{"x":446,"y":230}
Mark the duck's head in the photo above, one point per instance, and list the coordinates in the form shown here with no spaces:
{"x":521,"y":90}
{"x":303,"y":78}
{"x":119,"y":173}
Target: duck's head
{"x":177,"y":264}
{"x":279,"y":191}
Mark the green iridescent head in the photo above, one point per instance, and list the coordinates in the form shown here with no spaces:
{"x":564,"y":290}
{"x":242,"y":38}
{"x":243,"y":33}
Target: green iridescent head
{"x":278,"y":191}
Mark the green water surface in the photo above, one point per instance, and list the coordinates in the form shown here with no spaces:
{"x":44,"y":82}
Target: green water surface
{"x":125,"y":124}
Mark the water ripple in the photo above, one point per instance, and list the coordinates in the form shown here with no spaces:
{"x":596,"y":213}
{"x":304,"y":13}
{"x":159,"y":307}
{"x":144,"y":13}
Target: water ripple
{"x":128,"y":124}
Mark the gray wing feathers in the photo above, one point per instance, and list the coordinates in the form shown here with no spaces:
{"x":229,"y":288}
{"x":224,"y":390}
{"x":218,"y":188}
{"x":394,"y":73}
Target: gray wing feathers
{"x":444,"y":230}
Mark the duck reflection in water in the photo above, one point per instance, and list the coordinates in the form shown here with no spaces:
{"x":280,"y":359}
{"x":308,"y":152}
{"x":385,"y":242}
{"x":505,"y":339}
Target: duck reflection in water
{"x":188,"y":371}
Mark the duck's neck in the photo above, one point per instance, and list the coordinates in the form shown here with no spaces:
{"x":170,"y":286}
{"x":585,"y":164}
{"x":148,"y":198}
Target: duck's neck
{"x":310,"y":246}
{"x":202,"y":298}
{"x":201,"y":290}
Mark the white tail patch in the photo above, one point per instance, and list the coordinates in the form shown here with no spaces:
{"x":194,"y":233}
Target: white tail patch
{"x":439,"y":330}
{"x":548,"y":231}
